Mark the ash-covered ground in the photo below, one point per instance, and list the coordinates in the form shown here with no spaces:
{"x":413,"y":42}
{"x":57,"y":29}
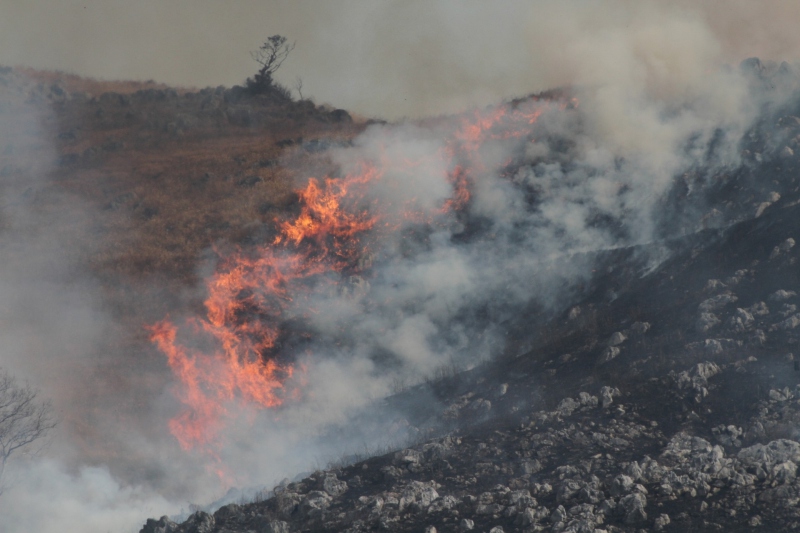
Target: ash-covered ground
{"x":666,"y":397}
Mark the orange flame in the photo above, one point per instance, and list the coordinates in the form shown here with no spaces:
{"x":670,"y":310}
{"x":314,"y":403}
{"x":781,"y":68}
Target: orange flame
{"x":323,"y":217}
{"x":237,"y":360}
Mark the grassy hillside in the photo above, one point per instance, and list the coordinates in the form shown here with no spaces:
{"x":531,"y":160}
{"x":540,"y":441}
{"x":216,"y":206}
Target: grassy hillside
{"x":136,"y":184}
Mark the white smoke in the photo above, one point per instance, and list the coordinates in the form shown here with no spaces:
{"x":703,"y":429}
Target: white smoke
{"x":52,"y":325}
{"x":652,"y":95}
{"x":43,"y":496}
{"x":589,"y":179}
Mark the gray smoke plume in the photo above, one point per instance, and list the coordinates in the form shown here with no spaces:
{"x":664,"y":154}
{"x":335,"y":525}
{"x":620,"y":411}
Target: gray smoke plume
{"x":653,"y":101}
{"x":592,"y":173}
{"x":52,"y":326}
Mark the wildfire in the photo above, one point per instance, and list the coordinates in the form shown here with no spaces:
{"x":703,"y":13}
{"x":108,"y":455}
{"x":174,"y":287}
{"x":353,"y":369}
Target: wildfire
{"x":232,"y":355}
{"x":325,"y":220}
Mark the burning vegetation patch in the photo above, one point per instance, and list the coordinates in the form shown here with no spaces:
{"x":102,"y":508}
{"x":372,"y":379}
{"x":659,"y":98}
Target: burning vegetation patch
{"x":248,"y":347}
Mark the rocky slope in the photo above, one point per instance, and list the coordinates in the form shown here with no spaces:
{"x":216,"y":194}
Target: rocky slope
{"x":662,"y":425}
{"x":666,"y":399}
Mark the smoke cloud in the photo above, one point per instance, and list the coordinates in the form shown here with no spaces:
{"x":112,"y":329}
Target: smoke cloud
{"x":54,"y":330}
{"x":399,"y":58}
{"x":43,"y":496}
{"x":443,"y":285}
{"x":653,"y":101}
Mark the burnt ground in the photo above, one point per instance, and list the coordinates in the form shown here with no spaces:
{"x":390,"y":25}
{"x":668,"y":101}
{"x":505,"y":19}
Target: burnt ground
{"x":667,"y":398}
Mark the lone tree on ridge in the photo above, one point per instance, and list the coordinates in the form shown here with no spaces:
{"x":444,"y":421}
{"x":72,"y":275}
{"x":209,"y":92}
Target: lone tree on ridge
{"x":270,"y":56}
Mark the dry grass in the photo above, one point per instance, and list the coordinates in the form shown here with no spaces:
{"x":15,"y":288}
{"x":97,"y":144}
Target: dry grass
{"x":158,"y":179}
{"x":161,"y":196}
{"x":76,"y":84}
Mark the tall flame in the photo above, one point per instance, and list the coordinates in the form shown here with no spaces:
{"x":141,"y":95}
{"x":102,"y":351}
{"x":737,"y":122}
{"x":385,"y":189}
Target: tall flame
{"x":325,"y":220}
{"x":234,"y":357}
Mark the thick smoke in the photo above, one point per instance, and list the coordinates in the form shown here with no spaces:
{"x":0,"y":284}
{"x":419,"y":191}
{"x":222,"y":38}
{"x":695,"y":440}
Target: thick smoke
{"x":44,"y":496}
{"x":652,"y":102}
{"x":52,"y":327}
{"x":592,"y":173}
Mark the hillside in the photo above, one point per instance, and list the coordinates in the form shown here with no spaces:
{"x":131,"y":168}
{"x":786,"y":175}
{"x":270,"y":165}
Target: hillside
{"x":661,"y":398}
{"x":136,"y":182}
{"x":501,"y":320}
{"x":172,"y":171}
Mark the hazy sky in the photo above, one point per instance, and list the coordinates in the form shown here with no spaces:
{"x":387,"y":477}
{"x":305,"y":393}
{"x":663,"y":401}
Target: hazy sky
{"x":390,"y":58}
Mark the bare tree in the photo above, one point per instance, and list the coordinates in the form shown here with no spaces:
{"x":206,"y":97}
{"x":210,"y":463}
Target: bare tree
{"x":298,"y":86}
{"x":23,"y":418}
{"x":270,"y":56}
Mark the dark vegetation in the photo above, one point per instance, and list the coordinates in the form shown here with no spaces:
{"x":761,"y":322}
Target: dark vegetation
{"x":270,"y":56}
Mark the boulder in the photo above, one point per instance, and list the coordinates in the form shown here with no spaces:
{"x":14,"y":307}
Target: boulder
{"x":661,"y":522}
{"x":784,"y":472}
{"x":769,"y":455}
{"x":621,"y":484}
{"x":717,"y":302}
{"x":419,"y":493}
{"x":481,"y":406}
{"x":162,"y":525}
{"x":729,"y":435}
{"x":199,"y":522}
{"x":608,"y":354}
{"x":567,"y":406}
{"x":607,"y":395}
{"x":587,"y":400}
{"x":781,"y":294}
{"x":617,"y":338}
{"x":741,"y":320}
{"x":632,"y":507}
{"x":706,"y":321}
{"x":333,"y":486}
{"x":559,"y":515}
{"x":314,"y":504}
{"x":274,"y":526}
{"x":790,"y":323}
{"x":780,"y":395}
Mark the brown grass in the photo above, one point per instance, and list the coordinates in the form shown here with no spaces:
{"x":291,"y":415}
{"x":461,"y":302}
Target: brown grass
{"x":73,"y":83}
{"x":159,"y":182}
{"x":163,"y":197}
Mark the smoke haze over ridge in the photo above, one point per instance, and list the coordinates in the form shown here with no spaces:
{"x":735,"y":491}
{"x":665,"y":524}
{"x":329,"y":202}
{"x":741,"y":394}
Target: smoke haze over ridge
{"x":398,"y":58}
{"x":650,"y":76}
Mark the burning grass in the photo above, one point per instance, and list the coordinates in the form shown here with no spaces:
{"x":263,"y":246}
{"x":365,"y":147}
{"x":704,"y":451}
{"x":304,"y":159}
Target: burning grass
{"x":256,"y":294}
{"x":159,"y":178}
{"x":168,"y":176}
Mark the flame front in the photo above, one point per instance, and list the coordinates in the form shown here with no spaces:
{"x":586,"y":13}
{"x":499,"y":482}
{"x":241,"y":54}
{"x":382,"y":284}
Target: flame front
{"x":235,"y":357}
{"x":325,"y":220}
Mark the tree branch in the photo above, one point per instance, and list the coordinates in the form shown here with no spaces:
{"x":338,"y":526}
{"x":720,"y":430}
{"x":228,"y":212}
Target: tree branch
{"x":23,"y":419}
